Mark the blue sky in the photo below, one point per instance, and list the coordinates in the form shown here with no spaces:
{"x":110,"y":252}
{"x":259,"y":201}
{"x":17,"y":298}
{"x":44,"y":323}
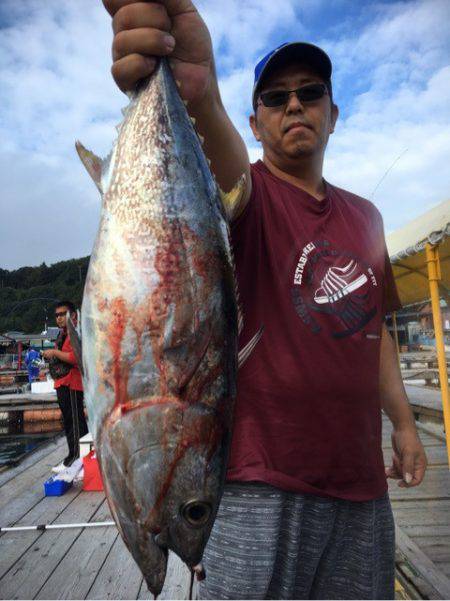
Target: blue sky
{"x":391,"y":80}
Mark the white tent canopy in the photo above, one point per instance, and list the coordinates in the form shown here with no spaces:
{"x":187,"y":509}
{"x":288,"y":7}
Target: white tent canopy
{"x":431,"y":227}
{"x":406,"y":248}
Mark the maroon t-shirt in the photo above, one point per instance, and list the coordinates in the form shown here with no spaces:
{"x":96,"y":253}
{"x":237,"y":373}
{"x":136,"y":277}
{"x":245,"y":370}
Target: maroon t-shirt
{"x":317,"y":276}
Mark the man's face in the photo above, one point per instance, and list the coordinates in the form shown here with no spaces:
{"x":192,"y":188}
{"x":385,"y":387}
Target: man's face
{"x":61,"y":316}
{"x":296,"y":129}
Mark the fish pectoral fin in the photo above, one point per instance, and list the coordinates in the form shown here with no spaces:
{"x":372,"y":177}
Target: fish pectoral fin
{"x":232,"y":200}
{"x":93,"y":164}
{"x":75,"y":341}
{"x":245,"y":352}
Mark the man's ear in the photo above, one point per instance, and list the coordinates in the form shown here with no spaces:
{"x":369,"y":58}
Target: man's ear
{"x":254,"y":125}
{"x":334,"y":116}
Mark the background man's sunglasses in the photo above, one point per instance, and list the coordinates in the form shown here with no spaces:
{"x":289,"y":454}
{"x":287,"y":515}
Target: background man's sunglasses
{"x":61,"y":314}
{"x":307,"y":93}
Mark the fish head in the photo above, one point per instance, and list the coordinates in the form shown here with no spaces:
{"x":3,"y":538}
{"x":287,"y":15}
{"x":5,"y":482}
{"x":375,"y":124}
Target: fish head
{"x":191,"y":504}
{"x":163,"y":469}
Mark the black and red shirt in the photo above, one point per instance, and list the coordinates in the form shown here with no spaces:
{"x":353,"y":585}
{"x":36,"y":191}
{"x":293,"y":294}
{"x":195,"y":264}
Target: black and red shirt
{"x":317,"y":276}
{"x":73,"y":379}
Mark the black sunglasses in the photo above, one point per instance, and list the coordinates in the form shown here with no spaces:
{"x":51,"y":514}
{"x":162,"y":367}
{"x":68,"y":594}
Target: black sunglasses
{"x":307,"y":93}
{"x":61,"y":314}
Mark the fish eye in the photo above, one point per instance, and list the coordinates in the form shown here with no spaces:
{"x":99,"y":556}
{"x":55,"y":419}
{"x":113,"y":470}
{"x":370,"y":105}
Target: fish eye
{"x":196,"y":513}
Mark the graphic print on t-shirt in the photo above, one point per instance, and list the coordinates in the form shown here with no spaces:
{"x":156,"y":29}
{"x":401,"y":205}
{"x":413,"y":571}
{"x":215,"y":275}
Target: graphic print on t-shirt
{"x":333,"y":289}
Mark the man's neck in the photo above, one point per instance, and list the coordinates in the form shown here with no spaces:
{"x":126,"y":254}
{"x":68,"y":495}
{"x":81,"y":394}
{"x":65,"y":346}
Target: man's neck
{"x":306,"y":177}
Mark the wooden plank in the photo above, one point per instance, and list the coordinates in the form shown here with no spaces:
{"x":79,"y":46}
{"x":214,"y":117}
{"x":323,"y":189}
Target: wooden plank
{"x":445,"y":567}
{"x":404,"y":588}
{"x":409,"y":512}
{"x":415,"y":532}
{"x":416,"y":581}
{"x":422,"y":373}
{"x":434,"y":429}
{"x":177,"y":583}
{"x":435,"y":485}
{"x":20,"y":495}
{"x":436,"y":547}
{"x":29,"y":574}
{"x":426,"y":397}
{"x":25,"y":496}
{"x":31,"y":459}
{"x":423,"y":566}
{"x":430,"y":412}
{"x":119,"y":576}
{"x":76,"y":572}
{"x":14,"y":544}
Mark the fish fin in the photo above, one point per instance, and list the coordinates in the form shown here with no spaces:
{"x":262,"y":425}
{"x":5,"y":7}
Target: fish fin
{"x":92,"y":162}
{"x":240,"y":312}
{"x":75,"y":340}
{"x":231,"y":200}
{"x":245,"y":353}
{"x":240,"y":316}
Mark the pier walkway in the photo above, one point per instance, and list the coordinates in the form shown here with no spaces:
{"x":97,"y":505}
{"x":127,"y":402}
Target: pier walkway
{"x":94,"y":563}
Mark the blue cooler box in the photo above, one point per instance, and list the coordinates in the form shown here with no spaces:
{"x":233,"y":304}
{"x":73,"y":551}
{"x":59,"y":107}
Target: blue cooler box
{"x":56,"y":488}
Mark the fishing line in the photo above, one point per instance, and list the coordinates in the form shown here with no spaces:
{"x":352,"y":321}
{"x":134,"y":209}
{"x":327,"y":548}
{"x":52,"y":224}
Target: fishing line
{"x":386,"y":172}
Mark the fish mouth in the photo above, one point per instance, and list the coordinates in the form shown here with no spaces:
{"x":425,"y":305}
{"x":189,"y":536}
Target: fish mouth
{"x":155,"y":567}
{"x":196,"y":519}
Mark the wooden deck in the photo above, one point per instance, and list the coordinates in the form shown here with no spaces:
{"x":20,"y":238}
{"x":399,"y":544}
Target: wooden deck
{"x":94,"y":563}
{"x":422,"y":516}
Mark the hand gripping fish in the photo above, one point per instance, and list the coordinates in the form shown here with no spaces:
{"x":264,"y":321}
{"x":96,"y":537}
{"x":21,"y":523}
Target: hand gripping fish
{"x":160,"y":330}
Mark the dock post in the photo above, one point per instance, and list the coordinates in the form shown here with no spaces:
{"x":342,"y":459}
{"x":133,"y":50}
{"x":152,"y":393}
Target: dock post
{"x":434,"y":276}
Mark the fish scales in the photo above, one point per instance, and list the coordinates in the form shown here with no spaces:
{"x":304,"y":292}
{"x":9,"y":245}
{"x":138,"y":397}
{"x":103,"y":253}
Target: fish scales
{"x":160,"y":326}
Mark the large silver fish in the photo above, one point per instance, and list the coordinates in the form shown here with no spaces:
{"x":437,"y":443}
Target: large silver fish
{"x":160,"y":328}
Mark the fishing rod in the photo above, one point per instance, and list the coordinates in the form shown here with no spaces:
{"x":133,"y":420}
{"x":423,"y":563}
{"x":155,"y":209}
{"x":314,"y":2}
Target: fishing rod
{"x":57,"y":526}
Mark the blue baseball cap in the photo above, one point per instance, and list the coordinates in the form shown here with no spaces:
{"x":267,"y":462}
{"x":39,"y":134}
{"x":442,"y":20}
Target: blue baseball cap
{"x":302,"y":52}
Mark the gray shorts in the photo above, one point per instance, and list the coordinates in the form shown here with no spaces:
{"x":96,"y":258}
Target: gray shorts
{"x":270,"y":544}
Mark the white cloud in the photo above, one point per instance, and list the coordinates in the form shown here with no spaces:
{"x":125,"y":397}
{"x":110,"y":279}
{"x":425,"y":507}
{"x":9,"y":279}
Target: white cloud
{"x":405,"y":106}
{"x":241,"y":30}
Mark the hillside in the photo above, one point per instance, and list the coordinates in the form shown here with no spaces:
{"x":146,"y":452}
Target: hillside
{"x":28,"y":294}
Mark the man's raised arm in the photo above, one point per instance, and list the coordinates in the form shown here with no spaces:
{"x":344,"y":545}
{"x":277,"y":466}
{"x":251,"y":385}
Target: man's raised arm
{"x":145,"y":31}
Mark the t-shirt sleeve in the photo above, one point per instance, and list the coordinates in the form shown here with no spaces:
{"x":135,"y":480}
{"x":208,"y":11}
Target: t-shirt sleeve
{"x":391,"y":299}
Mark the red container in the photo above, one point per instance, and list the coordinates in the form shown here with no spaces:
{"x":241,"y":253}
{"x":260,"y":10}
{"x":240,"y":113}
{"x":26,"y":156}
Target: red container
{"x":92,"y":479}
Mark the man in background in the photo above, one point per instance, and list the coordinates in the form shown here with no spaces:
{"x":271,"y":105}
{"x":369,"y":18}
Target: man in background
{"x":68,"y":383}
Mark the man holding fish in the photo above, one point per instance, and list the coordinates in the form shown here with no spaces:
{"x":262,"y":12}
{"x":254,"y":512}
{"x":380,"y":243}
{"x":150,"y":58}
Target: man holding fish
{"x":305,"y":512}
